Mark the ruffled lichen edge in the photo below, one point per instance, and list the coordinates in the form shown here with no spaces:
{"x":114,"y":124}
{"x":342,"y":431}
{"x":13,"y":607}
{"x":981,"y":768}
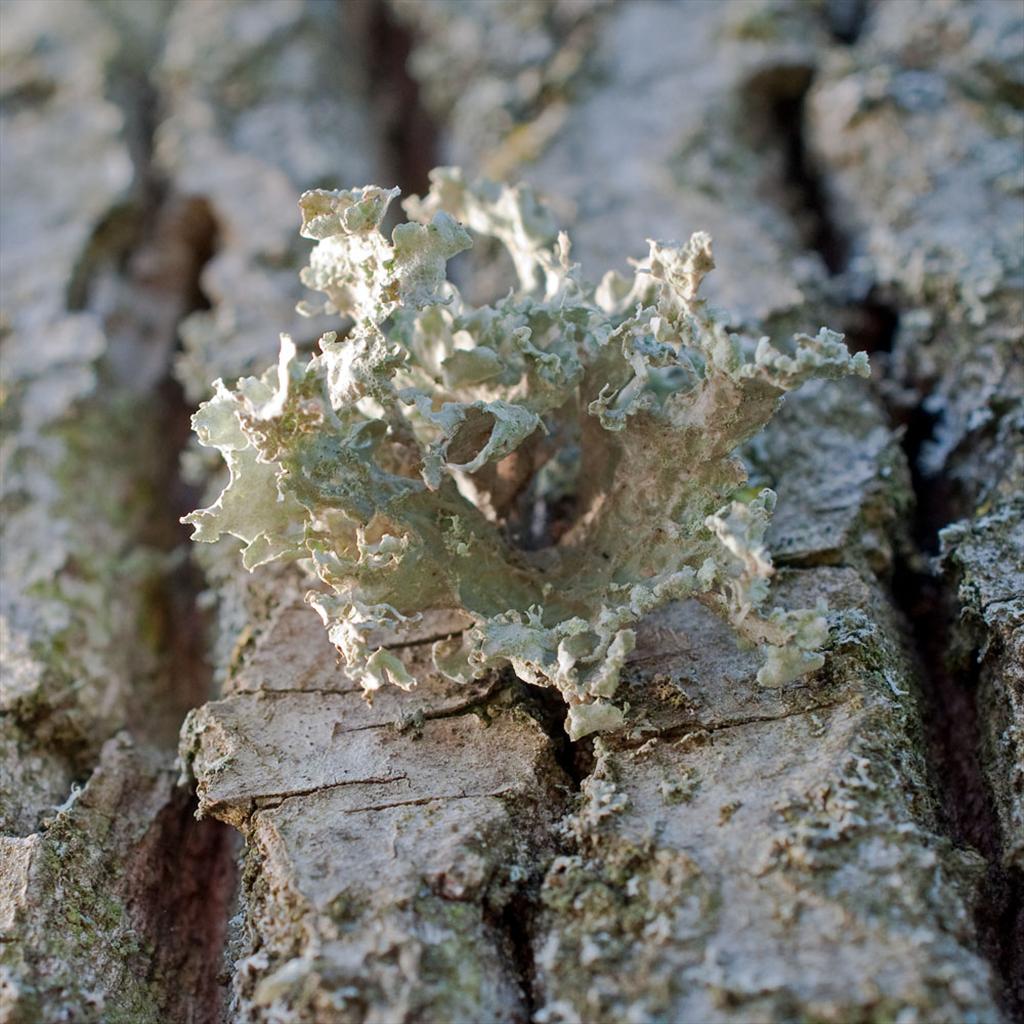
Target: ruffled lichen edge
{"x":416,"y":462}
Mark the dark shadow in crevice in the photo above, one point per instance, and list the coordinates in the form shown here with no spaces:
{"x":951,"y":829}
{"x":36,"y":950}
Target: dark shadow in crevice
{"x":774,"y":102}
{"x":141,"y":276}
{"x":953,"y":741}
{"x":846,"y":19}
{"x":950,"y":685}
{"x":185,"y":626}
{"x":410,"y":135}
{"x":820,"y":232}
{"x":870,"y":326}
{"x":515,"y":924}
{"x":181,"y":904}
{"x":934,"y":506}
{"x":546,"y":706}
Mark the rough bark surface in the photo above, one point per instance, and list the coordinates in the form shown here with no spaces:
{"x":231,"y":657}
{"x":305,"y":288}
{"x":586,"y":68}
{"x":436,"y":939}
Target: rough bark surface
{"x":850,"y":848}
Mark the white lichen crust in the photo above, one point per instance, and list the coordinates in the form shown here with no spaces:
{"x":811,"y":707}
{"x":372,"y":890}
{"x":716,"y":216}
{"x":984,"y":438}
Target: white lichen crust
{"x":554,"y":466}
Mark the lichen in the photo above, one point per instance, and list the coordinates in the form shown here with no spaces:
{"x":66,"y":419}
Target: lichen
{"x":555,"y":465}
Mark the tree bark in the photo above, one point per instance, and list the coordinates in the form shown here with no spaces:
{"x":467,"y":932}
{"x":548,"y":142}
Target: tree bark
{"x":849,"y":848}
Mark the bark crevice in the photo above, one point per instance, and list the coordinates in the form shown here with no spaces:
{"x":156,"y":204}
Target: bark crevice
{"x":142,"y":273}
{"x":549,"y":710}
{"x":515,"y":922}
{"x":410,"y":138}
{"x":846,"y":19}
{"x":950,"y":714}
{"x":925,"y":597}
{"x":776,"y":97}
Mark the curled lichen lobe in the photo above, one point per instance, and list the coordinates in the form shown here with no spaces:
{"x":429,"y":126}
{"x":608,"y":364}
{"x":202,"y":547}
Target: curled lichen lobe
{"x":548,"y":468}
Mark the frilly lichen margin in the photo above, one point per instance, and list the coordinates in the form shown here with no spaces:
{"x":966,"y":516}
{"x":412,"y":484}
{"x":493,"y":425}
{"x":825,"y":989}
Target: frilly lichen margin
{"x":413,"y":463}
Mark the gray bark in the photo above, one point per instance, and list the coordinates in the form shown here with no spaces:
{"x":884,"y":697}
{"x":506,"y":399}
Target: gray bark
{"x":847,"y":849}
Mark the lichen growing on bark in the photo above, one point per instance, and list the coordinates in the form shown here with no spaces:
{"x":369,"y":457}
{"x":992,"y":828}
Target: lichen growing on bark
{"x":553,"y":466}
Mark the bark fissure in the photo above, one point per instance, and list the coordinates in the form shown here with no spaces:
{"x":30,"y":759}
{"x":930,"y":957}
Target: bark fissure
{"x":158,"y":262}
{"x":846,"y":19}
{"x":923,"y":595}
{"x":515,"y":922}
{"x":269,"y":800}
{"x":410,"y":137}
{"x":549,"y":710}
{"x":417,"y":802}
{"x":515,"y":919}
{"x":951,"y":721}
{"x":695,"y":726}
{"x":780,"y":95}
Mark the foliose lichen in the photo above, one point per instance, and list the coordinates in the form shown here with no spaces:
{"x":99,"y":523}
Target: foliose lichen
{"x":553,"y":466}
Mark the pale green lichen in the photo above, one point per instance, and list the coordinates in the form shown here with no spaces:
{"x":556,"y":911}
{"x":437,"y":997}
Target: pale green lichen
{"x":555,"y":466}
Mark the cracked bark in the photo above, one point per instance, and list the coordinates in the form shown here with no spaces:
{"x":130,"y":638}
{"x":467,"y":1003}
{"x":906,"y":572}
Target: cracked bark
{"x":956,"y":377}
{"x":113,"y":901}
{"x":740,"y":853}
